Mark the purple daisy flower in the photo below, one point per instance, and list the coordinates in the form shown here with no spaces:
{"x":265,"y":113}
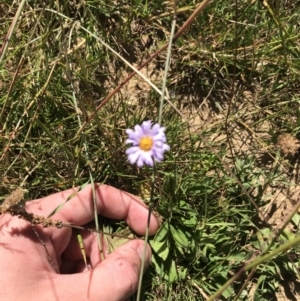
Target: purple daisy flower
{"x":149,"y":144}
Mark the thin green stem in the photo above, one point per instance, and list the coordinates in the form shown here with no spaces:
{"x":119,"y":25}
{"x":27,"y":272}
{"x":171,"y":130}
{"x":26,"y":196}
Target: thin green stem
{"x":164,"y":84}
{"x":147,"y":234}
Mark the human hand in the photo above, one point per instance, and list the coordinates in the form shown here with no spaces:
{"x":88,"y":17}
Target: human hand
{"x":25,"y":271}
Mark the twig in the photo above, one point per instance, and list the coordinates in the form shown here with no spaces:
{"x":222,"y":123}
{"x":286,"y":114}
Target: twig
{"x":20,"y":211}
{"x":50,"y":260}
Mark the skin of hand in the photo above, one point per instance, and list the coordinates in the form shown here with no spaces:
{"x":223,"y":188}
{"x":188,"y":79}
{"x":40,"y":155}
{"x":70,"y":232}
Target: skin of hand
{"x":25,"y":271}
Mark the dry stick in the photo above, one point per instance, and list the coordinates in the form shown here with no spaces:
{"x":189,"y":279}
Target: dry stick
{"x":50,"y":260}
{"x":20,"y":211}
{"x":13,"y":206}
{"x":92,"y":230}
{"x":187,"y":23}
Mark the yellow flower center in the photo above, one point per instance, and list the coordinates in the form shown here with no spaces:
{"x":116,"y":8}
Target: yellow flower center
{"x":146,"y":143}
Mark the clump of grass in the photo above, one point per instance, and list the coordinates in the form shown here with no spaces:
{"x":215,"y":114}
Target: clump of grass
{"x":236,"y":88}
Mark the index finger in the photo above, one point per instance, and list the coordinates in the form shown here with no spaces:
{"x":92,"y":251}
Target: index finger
{"x":111,"y":202}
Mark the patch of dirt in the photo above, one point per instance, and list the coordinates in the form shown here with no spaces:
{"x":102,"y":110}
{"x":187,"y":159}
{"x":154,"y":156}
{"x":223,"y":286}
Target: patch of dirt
{"x":282,"y":203}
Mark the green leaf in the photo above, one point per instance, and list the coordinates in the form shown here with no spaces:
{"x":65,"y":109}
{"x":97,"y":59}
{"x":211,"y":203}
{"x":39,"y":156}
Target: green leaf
{"x":161,"y":248}
{"x":162,"y":233}
{"x":296,"y":219}
{"x":182,"y":273}
{"x":228,"y":293}
{"x":166,"y":269}
{"x":192,"y":222}
{"x":172,"y":273}
{"x":261,"y":279}
{"x":180,"y":237}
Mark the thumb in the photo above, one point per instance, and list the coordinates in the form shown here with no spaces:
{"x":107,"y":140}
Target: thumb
{"x":114,"y":279}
